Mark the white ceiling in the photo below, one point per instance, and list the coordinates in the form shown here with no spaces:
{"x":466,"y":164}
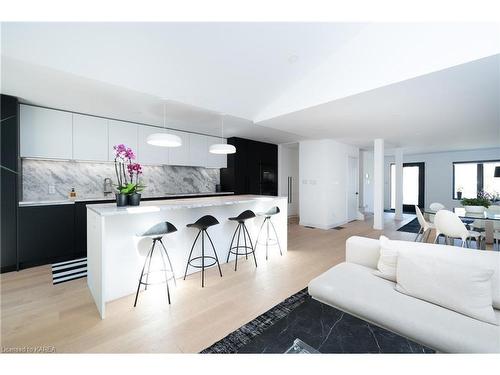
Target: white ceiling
{"x":47,"y":87}
{"x":234,"y":68}
{"x":456,"y":108}
{"x":278,"y":75}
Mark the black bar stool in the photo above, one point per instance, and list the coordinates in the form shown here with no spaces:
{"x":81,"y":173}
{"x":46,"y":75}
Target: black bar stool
{"x":156,"y":233}
{"x":241,"y":218}
{"x":267,"y":220}
{"x":202,"y":224}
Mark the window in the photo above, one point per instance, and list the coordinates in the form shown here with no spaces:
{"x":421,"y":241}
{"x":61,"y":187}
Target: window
{"x":473,"y":177}
{"x":411,"y":185}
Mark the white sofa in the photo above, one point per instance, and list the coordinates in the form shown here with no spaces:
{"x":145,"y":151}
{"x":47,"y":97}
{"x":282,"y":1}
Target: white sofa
{"x":352,"y":287}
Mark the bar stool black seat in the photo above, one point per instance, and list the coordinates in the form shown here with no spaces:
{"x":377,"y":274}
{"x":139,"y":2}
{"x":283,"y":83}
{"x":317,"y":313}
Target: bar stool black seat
{"x":156,"y":233}
{"x":267,"y":220}
{"x":202,"y":224}
{"x":241,"y":218}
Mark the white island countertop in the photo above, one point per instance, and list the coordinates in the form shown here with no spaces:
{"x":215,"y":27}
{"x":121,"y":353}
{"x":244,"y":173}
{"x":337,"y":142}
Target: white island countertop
{"x":116,"y":250}
{"x":110,"y":209}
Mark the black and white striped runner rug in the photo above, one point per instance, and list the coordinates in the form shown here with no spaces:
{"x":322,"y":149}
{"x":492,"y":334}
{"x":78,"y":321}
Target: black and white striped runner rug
{"x":69,"y":270}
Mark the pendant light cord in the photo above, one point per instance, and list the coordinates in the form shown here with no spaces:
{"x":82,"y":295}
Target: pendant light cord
{"x":222,"y":129}
{"x":165,"y":115}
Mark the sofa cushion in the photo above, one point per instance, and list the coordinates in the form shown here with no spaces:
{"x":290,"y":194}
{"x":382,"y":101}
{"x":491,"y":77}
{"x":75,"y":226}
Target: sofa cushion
{"x":354,"y":289}
{"x":387,"y":263}
{"x":473,"y":257}
{"x":463,"y":288}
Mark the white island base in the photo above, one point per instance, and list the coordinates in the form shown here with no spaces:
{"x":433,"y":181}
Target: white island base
{"x":115,"y":254}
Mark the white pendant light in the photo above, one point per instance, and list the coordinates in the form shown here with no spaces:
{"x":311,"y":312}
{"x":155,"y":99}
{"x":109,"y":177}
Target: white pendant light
{"x":222,"y":148}
{"x":164,"y":139}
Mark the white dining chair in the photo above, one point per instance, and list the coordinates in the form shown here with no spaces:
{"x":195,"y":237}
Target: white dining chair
{"x":495,"y":209}
{"x":425,"y":227}
{"x":449,"y":224}
{"x":435,"y":207}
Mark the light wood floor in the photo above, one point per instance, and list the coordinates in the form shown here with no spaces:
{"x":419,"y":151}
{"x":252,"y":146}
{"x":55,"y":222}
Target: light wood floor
{"x":36,"y":313}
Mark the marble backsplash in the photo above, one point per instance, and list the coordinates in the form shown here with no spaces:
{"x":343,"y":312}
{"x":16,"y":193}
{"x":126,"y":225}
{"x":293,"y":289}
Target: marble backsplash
{"x":88,"y":179}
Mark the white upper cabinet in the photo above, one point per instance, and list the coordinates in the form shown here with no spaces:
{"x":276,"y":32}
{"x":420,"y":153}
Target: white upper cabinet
{"x":148,"y":154}
{"x":49,"y":133}
{"x":179,"y":155}
{"x":198,"y":150}
{"x":90,"y":138}
{"x":121,"y":132}
{"x":215,"y":160}
{"x":46,"y":133}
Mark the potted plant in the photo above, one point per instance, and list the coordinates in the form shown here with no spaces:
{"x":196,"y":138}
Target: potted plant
{"x":135,"y":186}
{"x":459,"y":192}
{"x":477,"y":205}
{"x":125,"y":171}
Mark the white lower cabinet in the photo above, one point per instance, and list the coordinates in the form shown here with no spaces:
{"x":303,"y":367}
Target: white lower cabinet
{"x":215,"y":160}
{"x":90,"y":138}
{"x":121,"y":132}
{"x":179,"y":155}
{"x":45,"y":133}
{"x":148,"y":154}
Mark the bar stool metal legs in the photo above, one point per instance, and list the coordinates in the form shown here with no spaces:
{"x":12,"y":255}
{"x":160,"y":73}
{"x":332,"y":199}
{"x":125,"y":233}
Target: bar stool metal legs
{"x":191,"y":259}
{"x":147,"y":262}
{"x":269,"y":224}
{"x":241,"y":228}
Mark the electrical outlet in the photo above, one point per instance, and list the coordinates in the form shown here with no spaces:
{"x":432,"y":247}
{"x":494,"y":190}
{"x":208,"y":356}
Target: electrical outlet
{"x":52,"y":189}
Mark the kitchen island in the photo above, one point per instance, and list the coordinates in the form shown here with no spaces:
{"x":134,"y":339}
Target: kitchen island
{"x":115,"y":252}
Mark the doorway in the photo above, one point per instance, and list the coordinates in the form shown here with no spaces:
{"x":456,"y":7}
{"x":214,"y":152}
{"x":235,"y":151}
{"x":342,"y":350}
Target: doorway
{"x":413,"y":186}
{"x":352,"y":188}
{"x":288,"y":171}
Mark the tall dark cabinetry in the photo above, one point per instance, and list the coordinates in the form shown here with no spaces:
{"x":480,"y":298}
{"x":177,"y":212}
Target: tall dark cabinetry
{"x":253,"y":169}
{"x":9,"y":170}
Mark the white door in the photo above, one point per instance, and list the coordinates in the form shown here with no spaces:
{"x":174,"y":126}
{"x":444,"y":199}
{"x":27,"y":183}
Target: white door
{"x":289,"y":177}
{"x":352,"y":188}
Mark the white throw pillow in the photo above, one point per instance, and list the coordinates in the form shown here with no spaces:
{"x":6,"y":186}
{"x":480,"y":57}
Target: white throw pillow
{"x":479,"y":258}
{"x":459,"y":287}
{"x":387,"y":263}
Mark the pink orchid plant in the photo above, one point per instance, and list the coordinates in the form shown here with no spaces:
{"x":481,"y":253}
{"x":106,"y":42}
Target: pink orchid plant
{"x":127,"y":172}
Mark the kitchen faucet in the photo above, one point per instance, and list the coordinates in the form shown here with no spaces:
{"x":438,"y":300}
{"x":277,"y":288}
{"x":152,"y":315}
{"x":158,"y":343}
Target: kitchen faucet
{"x":108,"y":186}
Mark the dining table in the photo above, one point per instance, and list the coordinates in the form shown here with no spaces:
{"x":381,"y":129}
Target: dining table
{"x":489,"y":216}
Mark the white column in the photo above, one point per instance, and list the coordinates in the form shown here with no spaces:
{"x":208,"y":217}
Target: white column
{"x":378,"y":184}
{"x":399,"y":184}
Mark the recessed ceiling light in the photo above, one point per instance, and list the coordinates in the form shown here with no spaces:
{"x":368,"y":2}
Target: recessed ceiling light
{"x":293,"y":59}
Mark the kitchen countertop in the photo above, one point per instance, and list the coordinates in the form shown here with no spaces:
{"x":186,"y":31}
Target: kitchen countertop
{"x":110,"y":209}
{"x":112,"y":198}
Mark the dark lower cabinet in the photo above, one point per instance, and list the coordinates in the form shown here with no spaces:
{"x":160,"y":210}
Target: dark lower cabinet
{"x":53,"y":233}
{"x":8,"y":221}
{"x":46,"y":234}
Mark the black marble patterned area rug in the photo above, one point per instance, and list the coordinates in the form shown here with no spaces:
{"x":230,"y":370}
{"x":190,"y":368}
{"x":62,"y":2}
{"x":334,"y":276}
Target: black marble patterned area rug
{"x":322,"y":327}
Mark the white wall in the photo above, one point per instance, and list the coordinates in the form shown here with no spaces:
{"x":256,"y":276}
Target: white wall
{"x":366,"y":183}
{"x":323,"y":182}
{"x":439,"y":173}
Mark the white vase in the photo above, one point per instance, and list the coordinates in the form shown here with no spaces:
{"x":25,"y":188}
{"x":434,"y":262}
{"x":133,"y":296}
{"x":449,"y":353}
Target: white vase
{"x":475,"y":209}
